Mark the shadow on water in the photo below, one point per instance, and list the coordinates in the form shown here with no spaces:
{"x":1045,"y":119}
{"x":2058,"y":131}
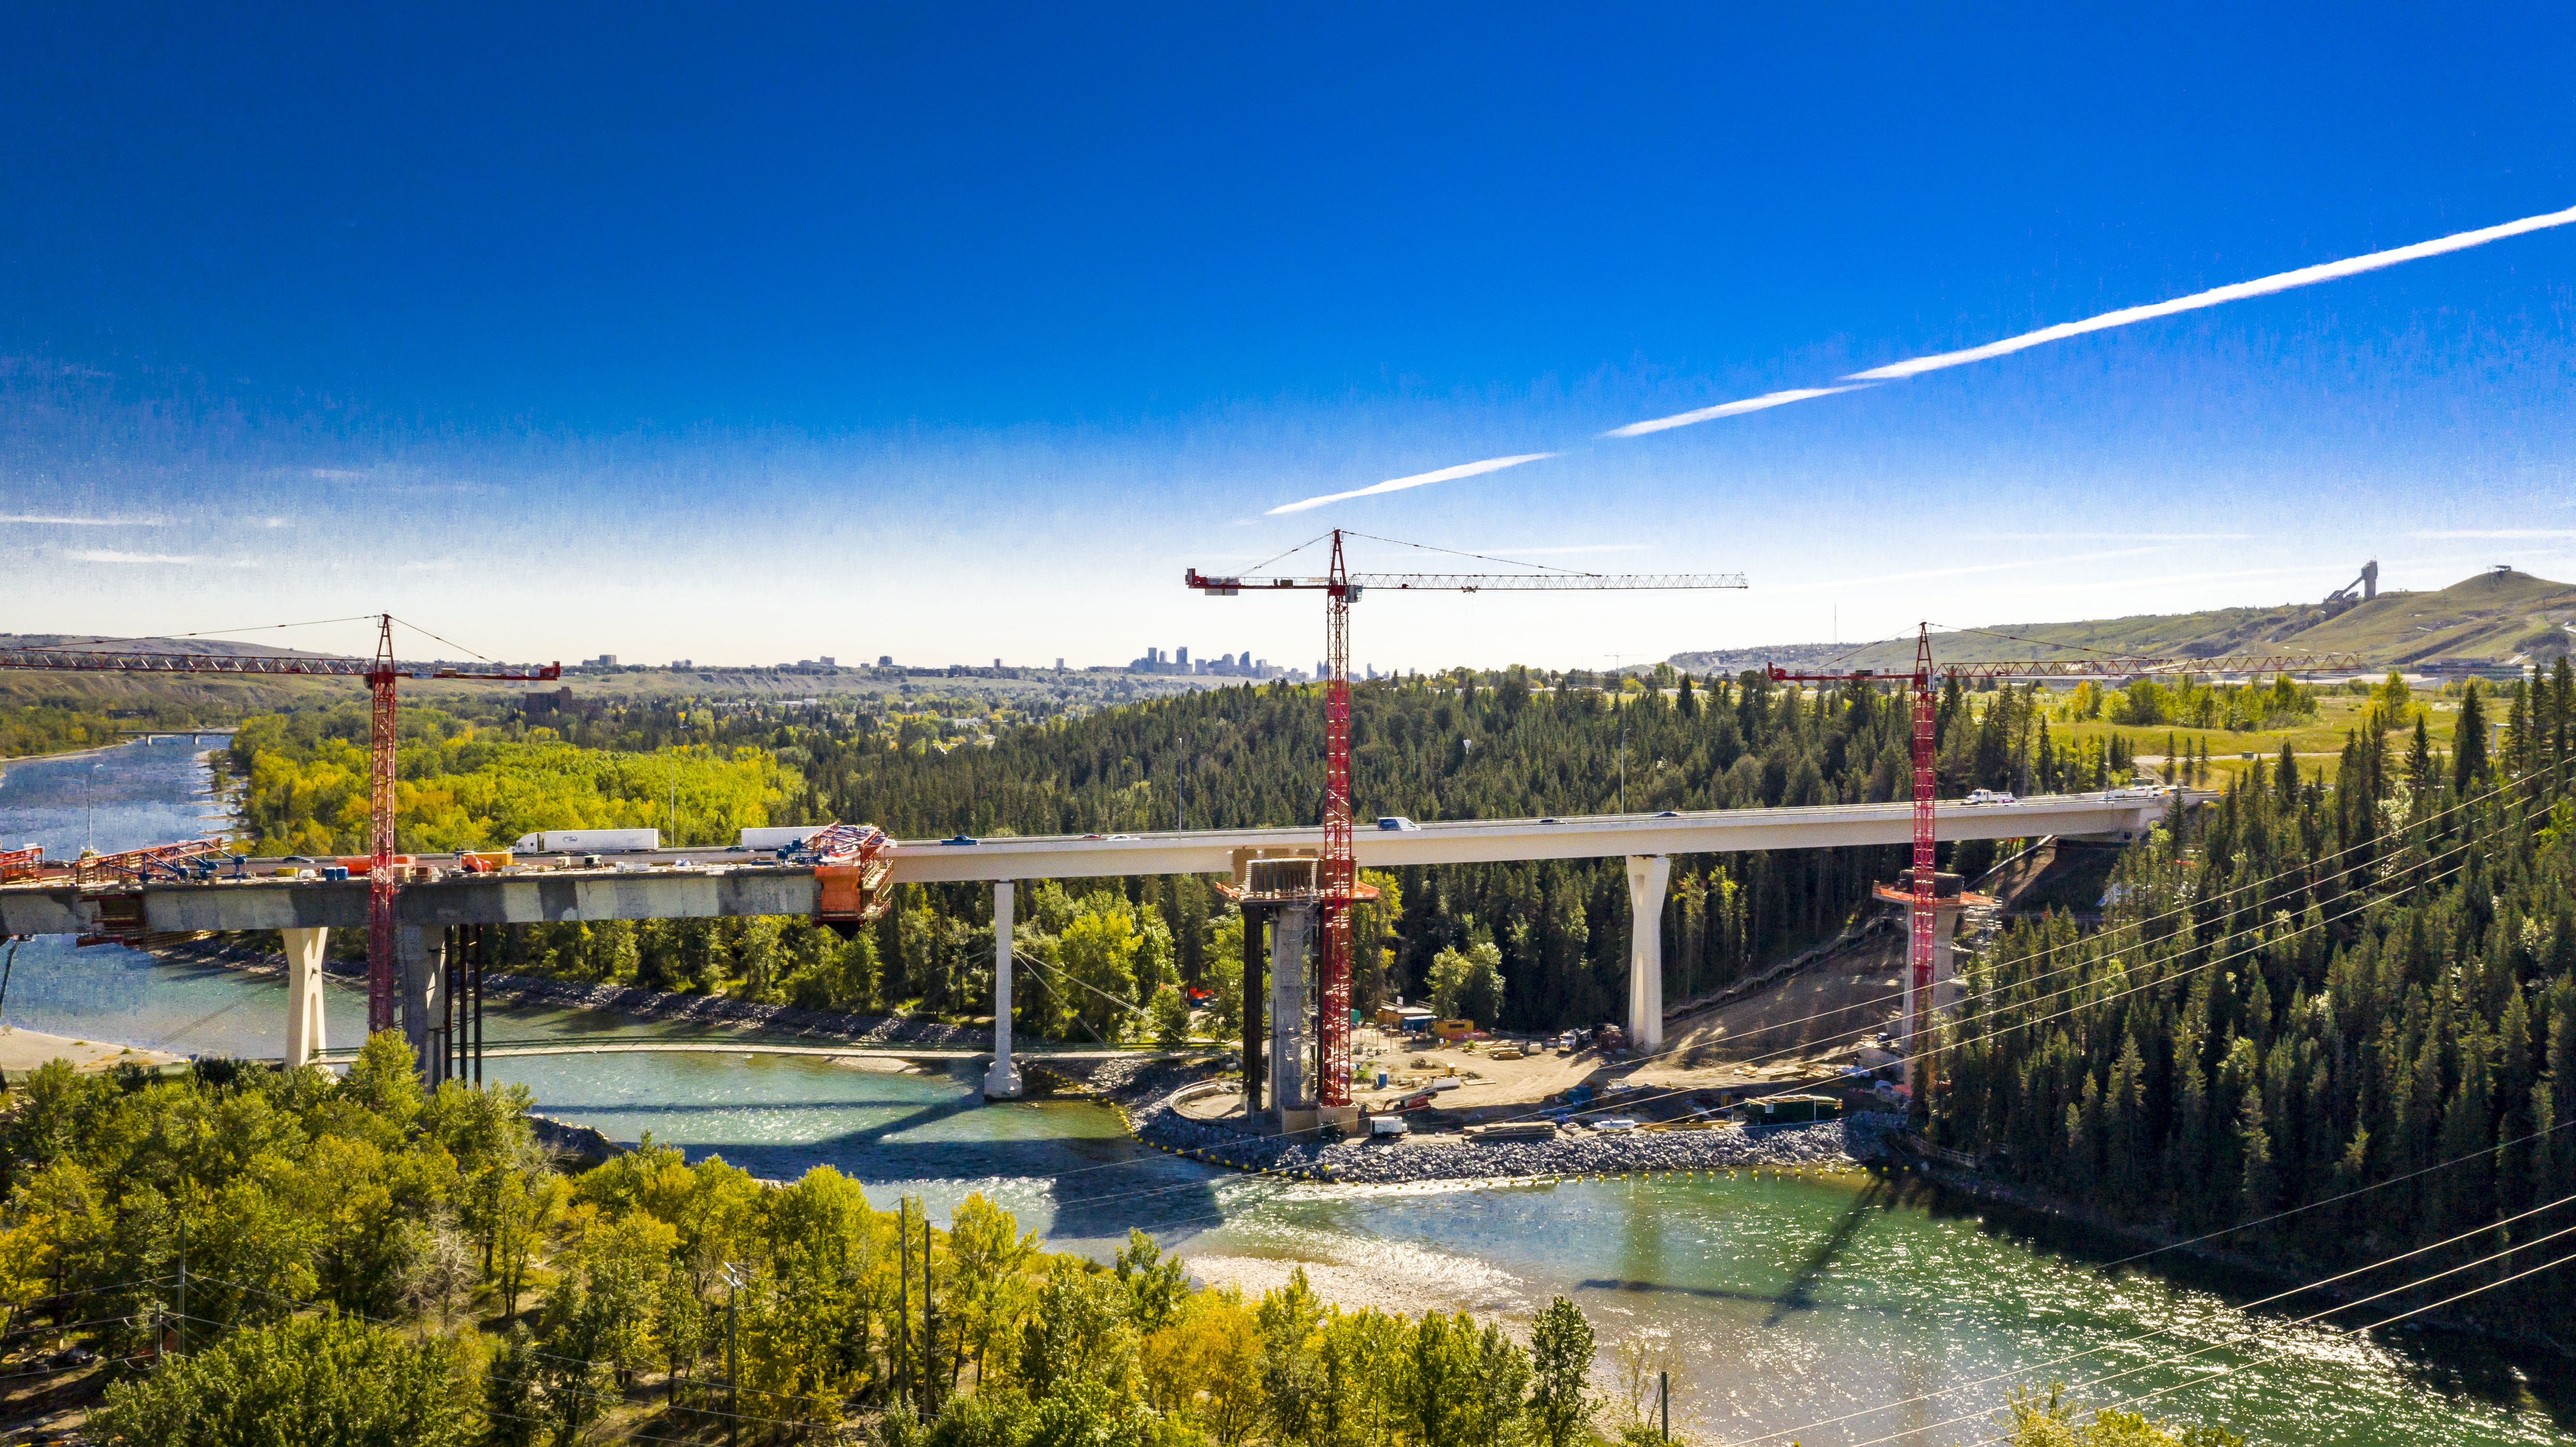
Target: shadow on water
{"x":1799,"y":1295}
{"x":2452,"y":1361}
{"x":1829,"y":1249}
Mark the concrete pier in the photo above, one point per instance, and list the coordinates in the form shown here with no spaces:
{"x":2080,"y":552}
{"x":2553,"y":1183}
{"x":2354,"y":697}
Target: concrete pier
{"x":1002,"y":1081}
{"x":421,"y":952}
{"x":304,"y":1037}
{"x":1647,"y":876}
{"x":1292,"y":1080}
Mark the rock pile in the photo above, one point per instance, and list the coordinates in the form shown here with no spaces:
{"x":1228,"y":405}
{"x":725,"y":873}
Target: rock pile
{"x":1579,"y":1152}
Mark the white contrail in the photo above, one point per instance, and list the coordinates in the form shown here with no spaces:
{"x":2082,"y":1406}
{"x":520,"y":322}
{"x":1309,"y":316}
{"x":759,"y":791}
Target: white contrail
{"x":1898,"y":371}
{"x":1419,"y":479}
{"x":1728,"y":409}
{"x":2260,"y":286}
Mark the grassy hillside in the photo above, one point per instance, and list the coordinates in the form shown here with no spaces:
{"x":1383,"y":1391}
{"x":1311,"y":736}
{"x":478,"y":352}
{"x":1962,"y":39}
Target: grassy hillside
{"x":2494,"y":617}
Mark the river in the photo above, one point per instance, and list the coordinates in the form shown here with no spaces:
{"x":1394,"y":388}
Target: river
{"x":1792,"y":1304}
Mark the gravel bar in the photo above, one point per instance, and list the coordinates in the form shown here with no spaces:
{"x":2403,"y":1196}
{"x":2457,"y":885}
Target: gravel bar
{"x":1144,"y":1092}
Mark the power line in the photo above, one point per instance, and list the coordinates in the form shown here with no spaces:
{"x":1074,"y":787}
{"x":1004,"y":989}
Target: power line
{"x":2248,"y":1307}
{"x":2280,"y":1351}
{"x":2300,"y":1321}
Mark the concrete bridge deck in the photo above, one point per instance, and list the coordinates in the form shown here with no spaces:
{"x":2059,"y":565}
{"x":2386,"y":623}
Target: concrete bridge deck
{"x":700,"y":883}
{"x":712,"y":883}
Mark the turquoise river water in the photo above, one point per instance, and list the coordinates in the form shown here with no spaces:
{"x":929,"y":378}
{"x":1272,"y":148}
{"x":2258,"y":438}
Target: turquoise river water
{"x":1836,"y":1311}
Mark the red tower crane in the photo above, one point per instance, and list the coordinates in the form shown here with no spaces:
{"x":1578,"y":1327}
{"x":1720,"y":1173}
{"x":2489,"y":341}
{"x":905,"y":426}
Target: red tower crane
{"x":1339,"y":872}
{"x":1922,"y":682}
{"x":380,"y":673}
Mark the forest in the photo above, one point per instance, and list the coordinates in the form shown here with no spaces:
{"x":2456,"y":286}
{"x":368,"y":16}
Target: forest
{"x":256,"y":1257}
{"x":36,"y":728}
{"x":2303,"y":992}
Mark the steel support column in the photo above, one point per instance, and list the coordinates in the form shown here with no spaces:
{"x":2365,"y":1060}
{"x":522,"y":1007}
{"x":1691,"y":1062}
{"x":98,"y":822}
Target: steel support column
{"x":1255,"y":1039}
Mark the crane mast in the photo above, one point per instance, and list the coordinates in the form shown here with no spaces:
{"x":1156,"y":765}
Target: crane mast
{"x":379,"y":673}
{"x":1340,"y":868}
{"x":1337,"y":874}
{"x":1923,"y":908}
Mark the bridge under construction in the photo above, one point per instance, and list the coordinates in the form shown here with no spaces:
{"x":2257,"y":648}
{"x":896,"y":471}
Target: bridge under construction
{"x":445,"y":898}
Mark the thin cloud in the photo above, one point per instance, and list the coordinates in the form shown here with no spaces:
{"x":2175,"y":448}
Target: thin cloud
{"x":174,"y":560}
{"x":1728,"y":409}
{"x":2498,"y":533}
{"x":102,"y":555}
{"x":2123,"y":537}
{"x":1419,"y":479}
{"x":1960,"y":572}
{"x":73,"y":522}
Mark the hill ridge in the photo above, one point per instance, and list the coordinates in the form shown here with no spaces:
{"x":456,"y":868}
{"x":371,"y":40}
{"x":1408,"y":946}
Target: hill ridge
{"x":2496,"y":617}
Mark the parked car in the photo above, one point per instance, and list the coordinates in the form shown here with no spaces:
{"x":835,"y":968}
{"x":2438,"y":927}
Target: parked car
{"x":1987,"y":796}
{"x":960,"y":839}
{"x":1397,"y":823}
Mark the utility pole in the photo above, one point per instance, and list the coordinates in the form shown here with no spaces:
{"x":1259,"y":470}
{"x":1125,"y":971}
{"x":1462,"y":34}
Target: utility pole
{"x":1664,"y":1400}
{"x":733,"y":1361}
{"x":903,"y":1297}
{"x":179,"y":1325}
{"x":929,"y":1331}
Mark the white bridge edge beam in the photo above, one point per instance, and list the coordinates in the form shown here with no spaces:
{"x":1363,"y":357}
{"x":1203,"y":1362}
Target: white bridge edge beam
{"x":304,"y":1036}
{"x":1002,"y":1081}
{"x":1647,"y":876}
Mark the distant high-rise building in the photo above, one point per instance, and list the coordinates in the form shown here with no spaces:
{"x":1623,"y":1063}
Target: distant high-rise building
{"x":997,"y":663}
{"x":1059,"y":665}
{"x":1182,"y":658}
{"x":828,"y":661}
{"x":885,"y":660}
{"x":679,"y":663}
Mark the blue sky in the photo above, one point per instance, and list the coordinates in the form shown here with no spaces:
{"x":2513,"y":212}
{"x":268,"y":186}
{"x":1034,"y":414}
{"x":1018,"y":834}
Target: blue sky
{"x":956,"y":333}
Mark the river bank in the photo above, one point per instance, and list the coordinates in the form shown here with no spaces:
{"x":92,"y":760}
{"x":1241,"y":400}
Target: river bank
{"x":25,"y":1050}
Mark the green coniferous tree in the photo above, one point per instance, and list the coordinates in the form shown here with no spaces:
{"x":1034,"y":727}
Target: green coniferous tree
{"x":2469,"y":741}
